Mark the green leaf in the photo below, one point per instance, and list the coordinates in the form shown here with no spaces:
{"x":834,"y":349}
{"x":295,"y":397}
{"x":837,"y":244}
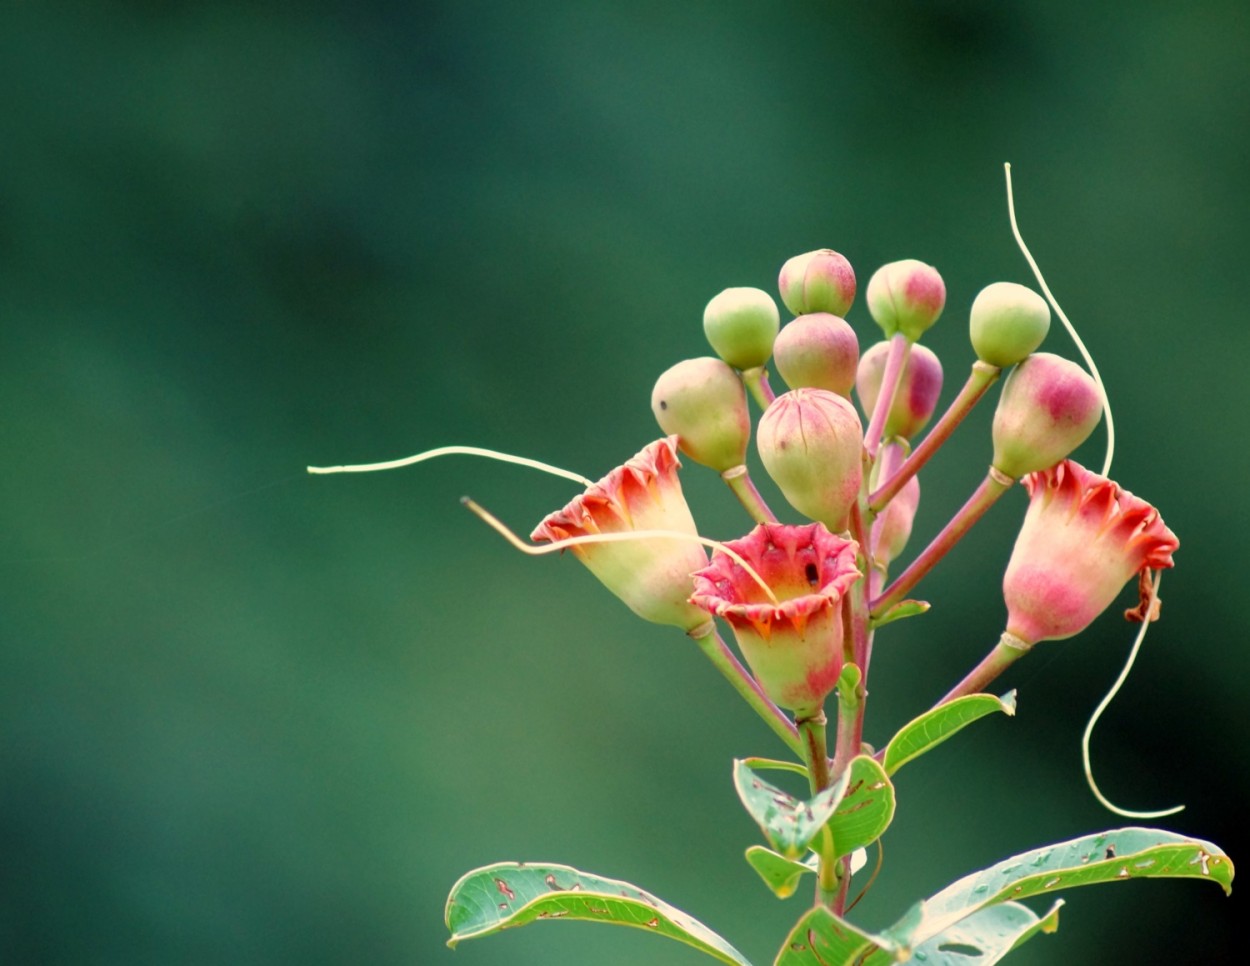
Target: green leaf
{"x":779,"y":873}
{"x":766,"y":764}
{"x":510,"y":894}
{"x":935,"y":726}
{"x":866,"y":809}
{"x":820,"y":938}
{"x":787,"y":822}
{"x":1127,"y":853}
{"x":904,"y":608}
{"x":986,"y":936}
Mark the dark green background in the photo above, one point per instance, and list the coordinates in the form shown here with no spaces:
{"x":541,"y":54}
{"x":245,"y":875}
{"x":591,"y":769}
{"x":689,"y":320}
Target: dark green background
{"x":249,"y":716}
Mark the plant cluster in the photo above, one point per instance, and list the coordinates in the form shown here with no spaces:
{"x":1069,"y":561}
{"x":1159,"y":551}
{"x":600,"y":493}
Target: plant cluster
{"x":806,"y":591}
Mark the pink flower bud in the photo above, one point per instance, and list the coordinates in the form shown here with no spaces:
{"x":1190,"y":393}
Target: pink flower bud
{"x":917,"y":394}
{"x":794,"y":647}
{"x":817,"y":351}
{"x":740,"y":324}
{"x":1083,"y":538}
{"x":1048,"y":408}
{"x":651,"y":575}
{"x":811,"y":443}
{"x":907,"y":297}
{"x":892,"y":528}
{"x":703,"y":402}
{"x":819,"y":281}
{"x":1007,"y":322}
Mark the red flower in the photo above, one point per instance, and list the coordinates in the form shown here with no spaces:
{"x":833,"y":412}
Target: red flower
{"x":651,"y":575}
{"x":1083,"y":538}
{"x":794,"y":646}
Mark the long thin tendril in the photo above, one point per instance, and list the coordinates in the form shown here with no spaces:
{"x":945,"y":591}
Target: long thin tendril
{"x":1102,"y":706}
{"x":622,"y":537}
{"x":1054,"y":304}
{"x":430,"y":454}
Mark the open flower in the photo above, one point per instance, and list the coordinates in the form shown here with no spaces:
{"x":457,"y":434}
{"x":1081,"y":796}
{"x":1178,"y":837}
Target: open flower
{"x":794,"y":646}
{"x":1083,"y":538}
{"x":650,"y":574}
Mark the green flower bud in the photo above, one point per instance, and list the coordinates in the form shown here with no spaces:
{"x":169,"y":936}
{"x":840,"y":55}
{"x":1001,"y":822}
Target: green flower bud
{"x":811,"y":443}
{"x":917,"y":394}
{"x":740,"y":324}
{"x":1008,"y":321}
{"x":819,"y":281}
{"x":817,"y":351}
{"x":704,"y":404}
{"x":1048,"y":408}
{"x":907,"y":297}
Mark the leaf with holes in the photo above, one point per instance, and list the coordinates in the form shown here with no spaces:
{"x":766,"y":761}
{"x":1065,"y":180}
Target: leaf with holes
{"x":821,"y":938}
{"x":986,"y":936}
{"x":866,"y":809}
{"x":779,"y":873}
{"x":787,"y":822}
{"x":510,"y":894}
{"x":935,"y":726}
{"x":1115,"y":856}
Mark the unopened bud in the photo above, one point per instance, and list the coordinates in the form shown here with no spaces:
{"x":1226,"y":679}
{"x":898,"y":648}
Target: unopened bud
{"x":817,"y":351}
{"x":892,"y":528}
{"x":907,"y":297}
{"x":1049,"y":407}
{"x":811,"y":442}
{"x":740,"y":324}
{"x":918,"y":389}
{"x":703,"y":403}
{"x":1008,"y":321}
{"x":819,"y":281}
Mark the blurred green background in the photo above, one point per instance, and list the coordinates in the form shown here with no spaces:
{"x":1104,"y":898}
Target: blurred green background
{"x":250,"y":716}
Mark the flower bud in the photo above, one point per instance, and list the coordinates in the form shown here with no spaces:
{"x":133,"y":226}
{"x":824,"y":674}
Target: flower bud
{"x":793,"y":647}
{"x":740,"y":324}
{"x":703,"y":402}
{"x":1048,"y":407}
{"x":817,"y":351}
{"x":819,"y":281}
{"x":917,"y":394}
{"x":1083,"y":538}
{"x":651,"y":575}
{"x":906,"y":297}
{"x":892,"y":528}
{"x":1007,"y":322}
{"x":811,"y":443}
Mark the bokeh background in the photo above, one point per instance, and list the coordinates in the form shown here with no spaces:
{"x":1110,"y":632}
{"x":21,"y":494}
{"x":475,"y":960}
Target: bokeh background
{"x":252,"y":716}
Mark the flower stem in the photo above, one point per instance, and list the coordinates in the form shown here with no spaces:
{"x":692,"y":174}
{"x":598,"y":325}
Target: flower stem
{"x":850,"y":721}
{"x":980,"y":379}
{"x":1006,"y":652}
{"x":895,"y":363}
{"x":756,"y":381}
{"x":815,"y":754}
{"x":718,"y":652}
{"x":992,"y":487}
{"x":739,"y":480}
{"x":816,"y":757}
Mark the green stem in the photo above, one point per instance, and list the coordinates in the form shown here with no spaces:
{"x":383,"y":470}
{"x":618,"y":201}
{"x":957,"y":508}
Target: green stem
{"x":718,"y":652}
{"x":980,"y":379}
{"x":815,"y":754}
{"x":756,"y":381}
{"x":739,"y":481}
{"x":850,"y":721}
{"x":816,"y":757}
{"x":1006,"y":652}
{"x":895,"y":363}
{"x":992,"y":487}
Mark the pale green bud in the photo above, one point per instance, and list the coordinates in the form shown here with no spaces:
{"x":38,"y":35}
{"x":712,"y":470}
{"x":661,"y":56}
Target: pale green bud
{"x":740,"y":324}
{"x":1007,"y":322}
{"x":704,"y":404}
